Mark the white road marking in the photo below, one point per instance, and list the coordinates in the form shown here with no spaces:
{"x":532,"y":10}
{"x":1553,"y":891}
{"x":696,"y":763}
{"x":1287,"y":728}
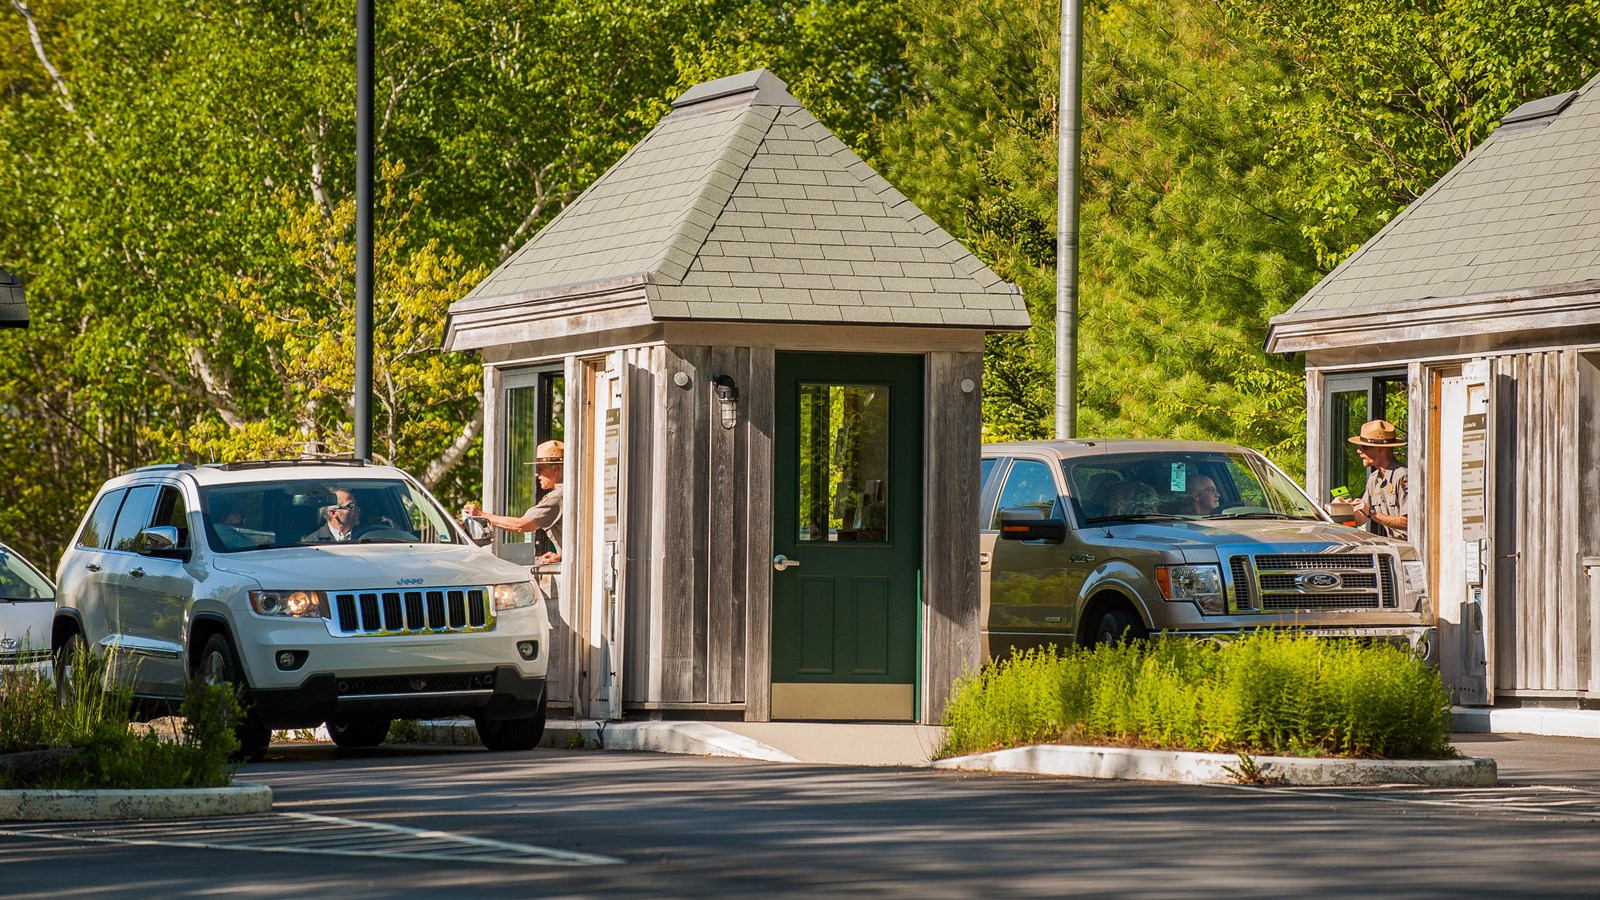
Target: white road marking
{"x":1529,"y":799}
{"x":292,"y":832}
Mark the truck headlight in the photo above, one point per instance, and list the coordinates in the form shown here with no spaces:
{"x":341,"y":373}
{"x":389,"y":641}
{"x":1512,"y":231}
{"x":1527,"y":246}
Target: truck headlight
{"x":512,"y":596}
{"x":294,"y":604}
{"x":1200,"y":585}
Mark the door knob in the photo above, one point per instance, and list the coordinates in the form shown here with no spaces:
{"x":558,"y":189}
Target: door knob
{"x":93,"y":567}
{"x":137,"y":573}
{"x":780,"y":562}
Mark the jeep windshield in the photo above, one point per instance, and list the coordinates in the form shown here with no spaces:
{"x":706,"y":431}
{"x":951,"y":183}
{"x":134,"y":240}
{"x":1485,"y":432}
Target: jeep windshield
{"x":270,"y":515}
{"x":1183,"y":485}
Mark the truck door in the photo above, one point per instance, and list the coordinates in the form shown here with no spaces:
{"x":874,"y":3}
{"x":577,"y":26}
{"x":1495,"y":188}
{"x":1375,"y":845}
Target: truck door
{"x":1033,"y":586}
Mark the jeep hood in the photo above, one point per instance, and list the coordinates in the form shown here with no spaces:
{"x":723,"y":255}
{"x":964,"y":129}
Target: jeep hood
{"x":371,"y":566}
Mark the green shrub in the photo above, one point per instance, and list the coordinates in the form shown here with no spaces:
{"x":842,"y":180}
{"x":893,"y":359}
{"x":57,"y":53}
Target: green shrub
{"x":93,"y":721}
{"x":1270,"y":692}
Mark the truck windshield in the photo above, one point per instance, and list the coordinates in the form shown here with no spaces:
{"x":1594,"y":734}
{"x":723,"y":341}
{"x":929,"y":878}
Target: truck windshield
{"x":274,"y":514}
{"x":1183,"y":485}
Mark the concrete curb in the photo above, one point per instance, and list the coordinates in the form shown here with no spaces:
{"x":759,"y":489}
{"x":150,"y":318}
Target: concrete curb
{"x":1214,"y":768}
{"x":689,"y":738}
{"x":1584,"y":723}
{"x":93,"y":805}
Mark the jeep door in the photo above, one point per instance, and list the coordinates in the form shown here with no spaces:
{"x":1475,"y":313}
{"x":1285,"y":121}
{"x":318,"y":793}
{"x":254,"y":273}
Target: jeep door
{"x":991,"y":471}
{"x":82,"y":581}
{"x":155,"y":601}
{"x":136,"y":584}
{"x":1033,"y":589}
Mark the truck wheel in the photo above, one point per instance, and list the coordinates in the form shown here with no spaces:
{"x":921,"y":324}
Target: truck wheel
{"x":354,"y":733}
{"x":219,"y":665}
{"x":513,"y":734}
{"x":1119,"y":626}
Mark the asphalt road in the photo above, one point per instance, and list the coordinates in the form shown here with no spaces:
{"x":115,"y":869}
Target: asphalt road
{"x":425,"y":821}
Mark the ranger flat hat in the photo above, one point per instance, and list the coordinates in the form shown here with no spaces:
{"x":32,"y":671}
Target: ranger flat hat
{"x":550,"y":452}
{"x":1378,"y":433}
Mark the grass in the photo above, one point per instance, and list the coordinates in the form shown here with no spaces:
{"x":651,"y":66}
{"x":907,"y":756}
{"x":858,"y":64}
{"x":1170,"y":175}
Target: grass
{"x":83,"y":740}
{"x":1268,"y":693}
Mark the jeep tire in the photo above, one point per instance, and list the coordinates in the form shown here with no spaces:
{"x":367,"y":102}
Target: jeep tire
{"x":512,"y":734}
{"x":219,"y":665}
{"x":355,"y":733}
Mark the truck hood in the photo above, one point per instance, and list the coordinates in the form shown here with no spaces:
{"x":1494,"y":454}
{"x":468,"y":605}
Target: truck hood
{"x":27,"y":622}
{"x":371,"y":566}
{"x":1199,"y":539}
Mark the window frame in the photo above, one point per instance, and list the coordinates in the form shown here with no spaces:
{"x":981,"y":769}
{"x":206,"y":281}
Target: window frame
{"x":1336,"y":441}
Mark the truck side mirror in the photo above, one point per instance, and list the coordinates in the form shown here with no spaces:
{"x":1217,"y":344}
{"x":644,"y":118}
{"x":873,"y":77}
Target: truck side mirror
{"x":1029,"y":523}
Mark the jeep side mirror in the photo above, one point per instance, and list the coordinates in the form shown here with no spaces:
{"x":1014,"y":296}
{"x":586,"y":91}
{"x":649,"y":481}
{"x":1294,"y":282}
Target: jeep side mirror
{"x":162,"y":541}
{"x":1029,"y":523}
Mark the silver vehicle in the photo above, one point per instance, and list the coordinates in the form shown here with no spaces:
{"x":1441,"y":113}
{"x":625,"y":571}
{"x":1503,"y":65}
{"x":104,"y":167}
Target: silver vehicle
{"x":231,"y":573}
{"x":1091,"y":541}
{"x":27,"y":601}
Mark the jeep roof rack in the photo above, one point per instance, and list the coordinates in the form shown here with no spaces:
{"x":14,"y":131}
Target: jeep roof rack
{"x":162,"y":467}
{"x":300,"y":461}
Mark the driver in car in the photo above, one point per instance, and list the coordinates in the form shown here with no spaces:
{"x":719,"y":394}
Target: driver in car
{"x":340,"y":520}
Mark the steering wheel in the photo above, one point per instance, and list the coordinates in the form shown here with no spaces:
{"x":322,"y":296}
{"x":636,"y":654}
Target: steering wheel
{"x":1236,"y":510}
{"x":382,"y":533}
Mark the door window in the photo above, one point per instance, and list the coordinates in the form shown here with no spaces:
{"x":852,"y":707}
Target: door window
{"x":134,"y":517}
{"x":98,"y":532}
{"x":1032,"y":484}
{"x":171,"y":510}
{"x":844,"y":463}
{"x":535,"y":404}
{"x":1353,"y":400}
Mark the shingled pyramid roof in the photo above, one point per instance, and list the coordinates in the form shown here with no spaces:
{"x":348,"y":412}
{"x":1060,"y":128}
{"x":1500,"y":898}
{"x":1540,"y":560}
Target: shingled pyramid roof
{"x":741,"y":206}
{"x":1520,"y":213}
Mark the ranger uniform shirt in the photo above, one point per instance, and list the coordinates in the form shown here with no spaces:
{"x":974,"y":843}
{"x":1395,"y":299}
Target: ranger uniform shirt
{"x":1388,"y":495}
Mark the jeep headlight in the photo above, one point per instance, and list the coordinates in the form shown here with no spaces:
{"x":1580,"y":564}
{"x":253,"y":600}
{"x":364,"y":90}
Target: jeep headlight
{"x":512,"y":596}
{"x":294,"y":604}
{"x":1200,"y":585}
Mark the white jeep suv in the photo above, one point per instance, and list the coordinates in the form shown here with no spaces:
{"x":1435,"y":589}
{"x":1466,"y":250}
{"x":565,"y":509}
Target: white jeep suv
{"x":232,"y":573}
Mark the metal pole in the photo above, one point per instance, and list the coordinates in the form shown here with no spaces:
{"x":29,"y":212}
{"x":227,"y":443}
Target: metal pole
{"x":363,"y":381}
{"x":1067,"y":220}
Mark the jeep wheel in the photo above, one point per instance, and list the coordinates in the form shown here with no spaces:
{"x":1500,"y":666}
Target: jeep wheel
{"x":219,"y":665}
{"x":68,"y":664}
{"x":513,"y":734}
{"x":351,"y":734}
{"x":1119,"y":626}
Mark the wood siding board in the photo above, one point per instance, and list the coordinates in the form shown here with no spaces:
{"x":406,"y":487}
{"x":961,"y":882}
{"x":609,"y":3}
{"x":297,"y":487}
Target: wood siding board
{"x":699,"y":464}
{"x":1564,"y":522}
{"x":1316,"y":437}
{"x":1508,"y":519}
{"x":1421,"y":396}
{"x":723,"y":538}
{"x":950,"y":628}
{"x":1531,"y":609}
{"x":640,"y":408}
{"x":1426,"y":463}
{"x":682,"y":602}
{"x":758,"y":573}
{"x":1588,"y":531}
{"x":739,"y":552}
{"x":1549,"y":503}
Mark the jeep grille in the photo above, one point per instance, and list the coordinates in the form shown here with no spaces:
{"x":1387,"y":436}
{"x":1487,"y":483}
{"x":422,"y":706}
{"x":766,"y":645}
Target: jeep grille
{"x":1281,"y":582}
{"x":412,"y":612}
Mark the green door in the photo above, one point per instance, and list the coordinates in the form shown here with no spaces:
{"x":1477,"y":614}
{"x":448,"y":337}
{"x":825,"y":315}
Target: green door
{"x":847,"y":536}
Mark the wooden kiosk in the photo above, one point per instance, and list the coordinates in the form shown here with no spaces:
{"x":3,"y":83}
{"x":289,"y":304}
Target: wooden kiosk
{"x":766,"y":364}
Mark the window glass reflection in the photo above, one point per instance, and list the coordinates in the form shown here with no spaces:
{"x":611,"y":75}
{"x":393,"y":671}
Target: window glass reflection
{"x":844,"y":463}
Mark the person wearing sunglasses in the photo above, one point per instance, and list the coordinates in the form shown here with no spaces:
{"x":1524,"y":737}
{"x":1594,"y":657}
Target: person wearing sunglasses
{"x":340,"y":521}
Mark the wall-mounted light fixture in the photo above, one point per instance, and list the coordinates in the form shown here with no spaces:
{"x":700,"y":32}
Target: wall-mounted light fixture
{"x":727,"y":400}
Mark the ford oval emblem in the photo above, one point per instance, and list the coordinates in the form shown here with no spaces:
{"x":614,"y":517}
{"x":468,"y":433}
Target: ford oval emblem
{"x":1320,"y":581}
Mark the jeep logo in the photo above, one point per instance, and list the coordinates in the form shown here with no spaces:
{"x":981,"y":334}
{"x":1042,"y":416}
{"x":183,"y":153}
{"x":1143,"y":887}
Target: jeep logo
{"x":408,"y":581}
{"x":1319,"y":581}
